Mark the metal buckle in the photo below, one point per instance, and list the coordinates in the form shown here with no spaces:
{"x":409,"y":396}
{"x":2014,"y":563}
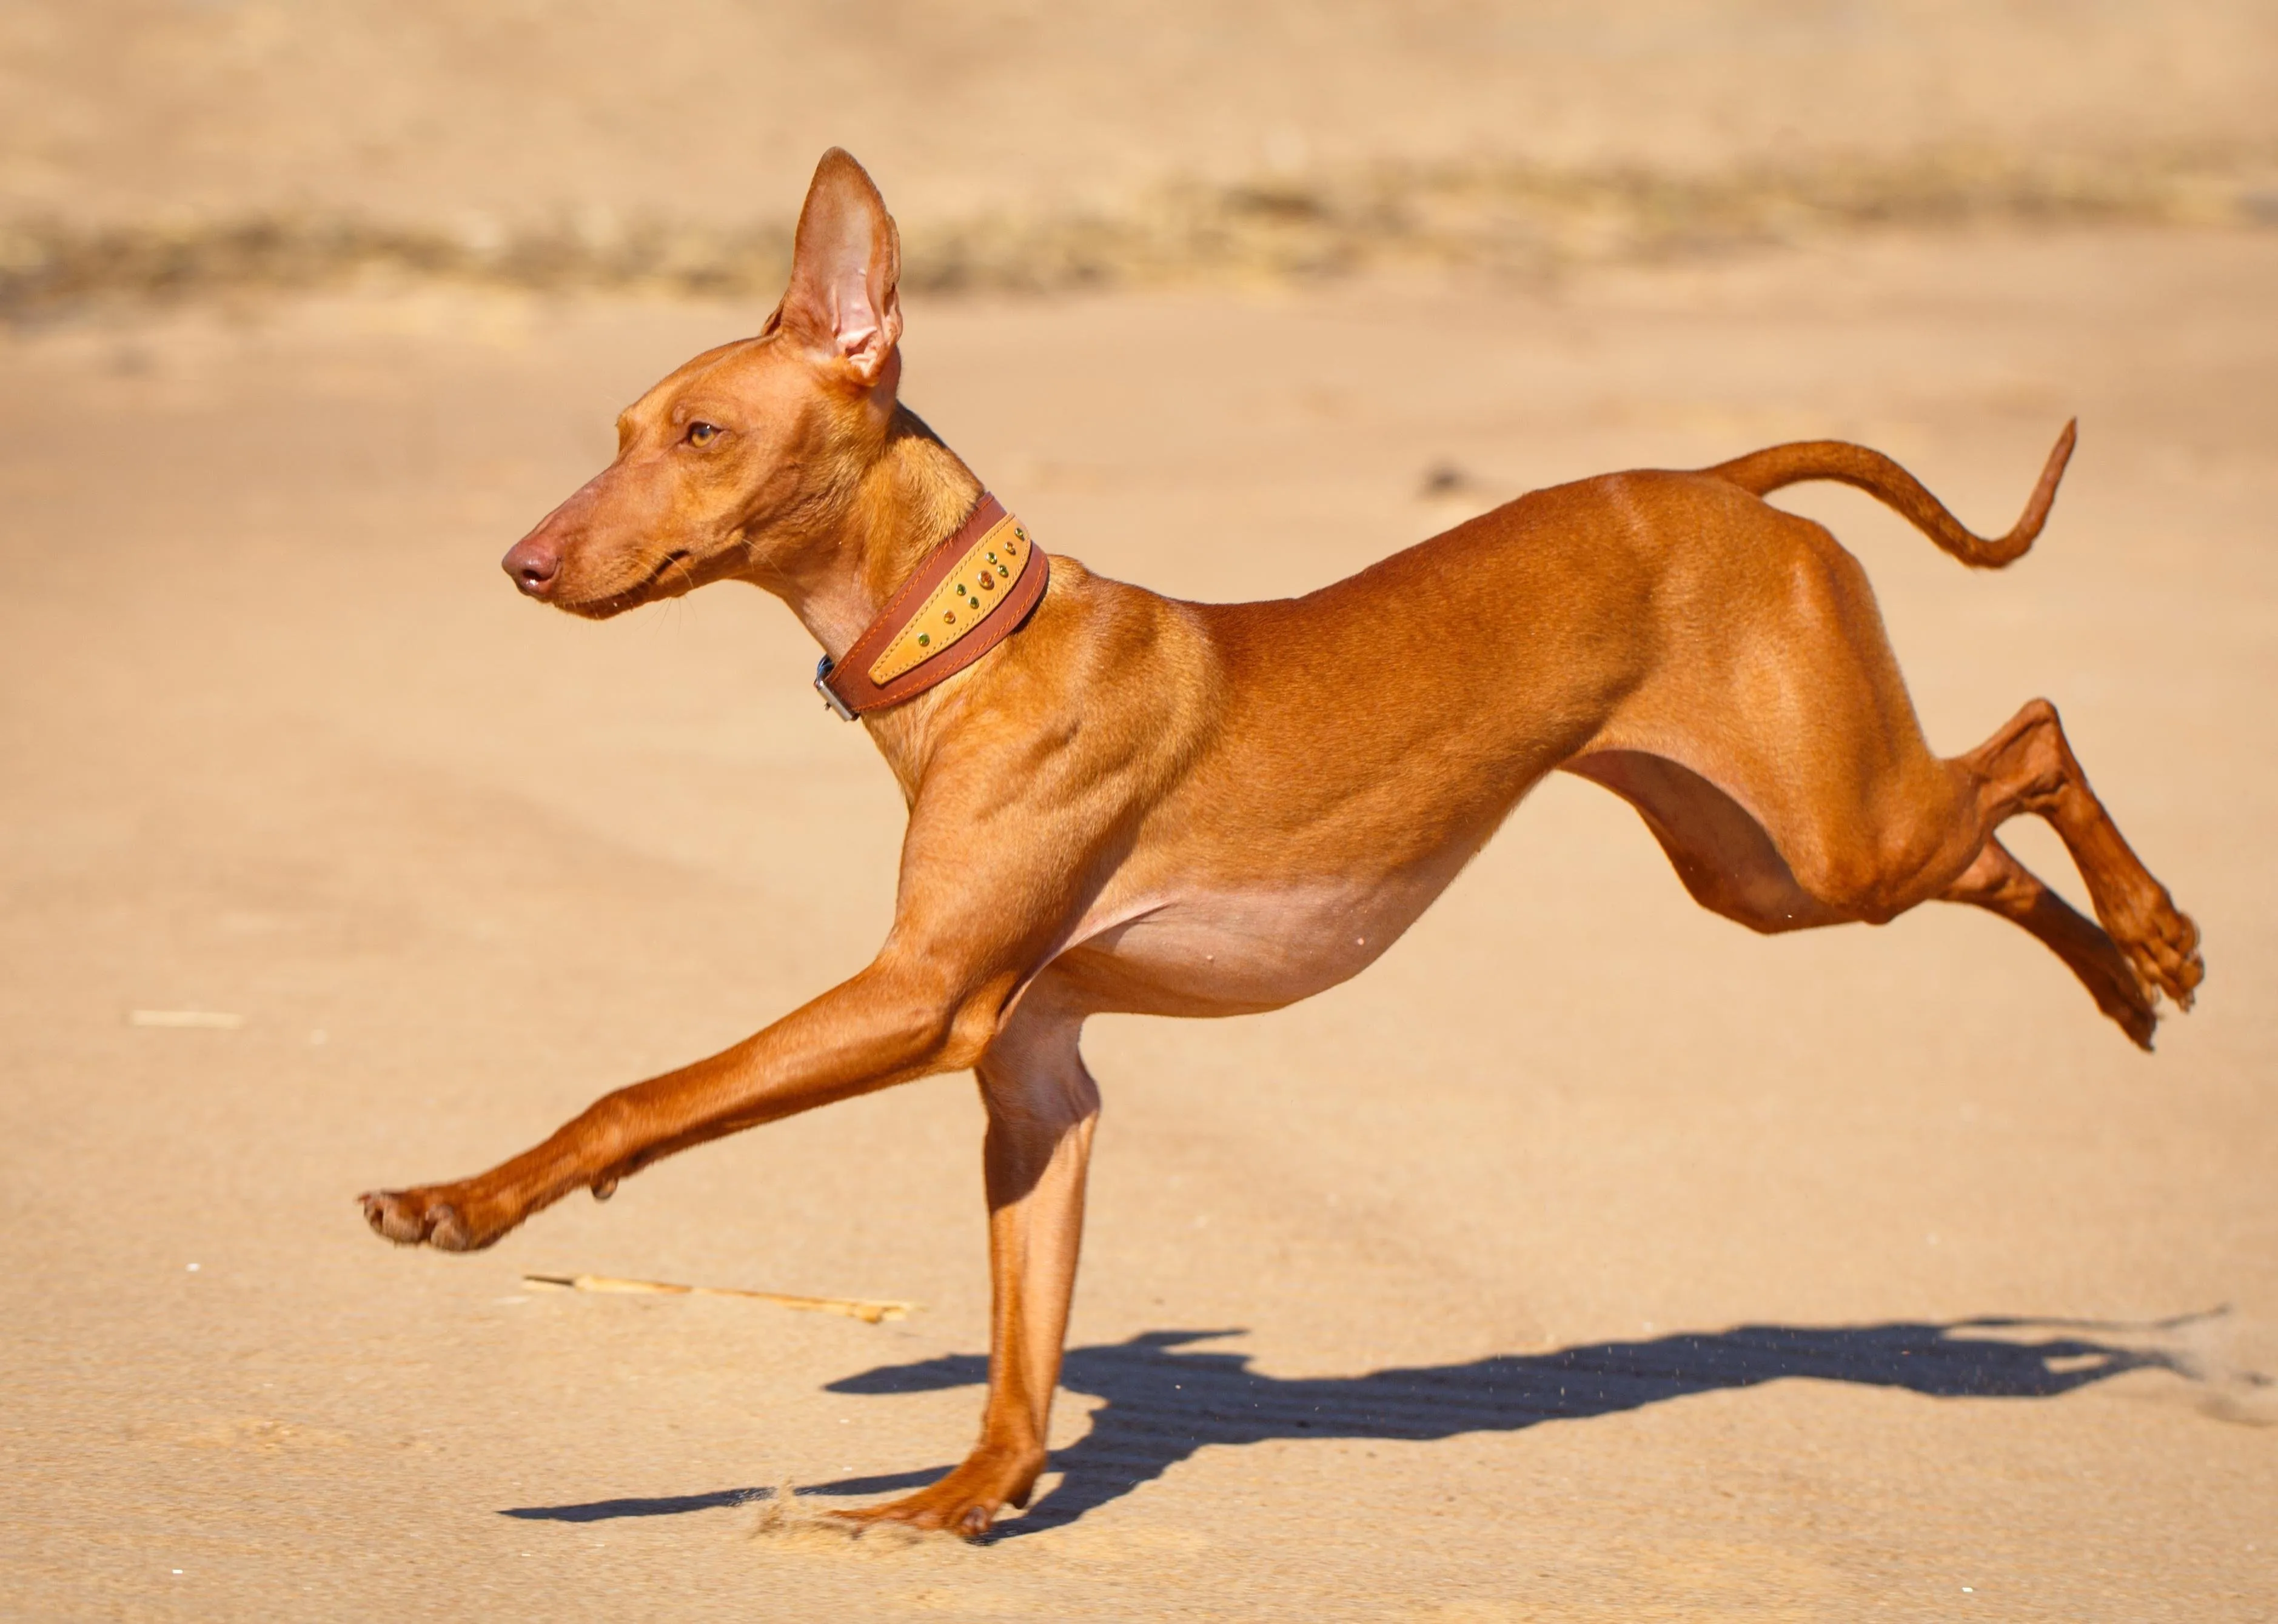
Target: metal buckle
{"x":830,"y":700}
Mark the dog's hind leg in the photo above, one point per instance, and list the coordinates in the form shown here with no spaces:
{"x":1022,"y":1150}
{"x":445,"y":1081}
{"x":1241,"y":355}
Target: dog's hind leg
{"x":1885,"y":853}
{"x":1998,"y":883}
{"x":1776,"y":756}
{"x":1042,"y":1107}
{"x":2029,"y":766}
{"x":1723,"y":856}
{"x":1871,"y":821}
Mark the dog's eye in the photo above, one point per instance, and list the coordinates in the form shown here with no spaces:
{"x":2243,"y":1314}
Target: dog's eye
{"x":702,"y":434}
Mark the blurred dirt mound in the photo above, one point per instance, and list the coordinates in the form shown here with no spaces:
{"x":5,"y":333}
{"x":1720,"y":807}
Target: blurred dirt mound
{"x":152,"y":147}
{"x":1509,"y":221}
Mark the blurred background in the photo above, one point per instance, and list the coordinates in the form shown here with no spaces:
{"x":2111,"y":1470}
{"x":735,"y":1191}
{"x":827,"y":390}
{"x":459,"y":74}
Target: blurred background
{"x":150,"y":144}
{"x":1856,"y":1273}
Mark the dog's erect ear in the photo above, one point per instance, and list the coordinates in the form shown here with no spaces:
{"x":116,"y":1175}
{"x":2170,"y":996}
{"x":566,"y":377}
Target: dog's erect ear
{"x":845,"y":268}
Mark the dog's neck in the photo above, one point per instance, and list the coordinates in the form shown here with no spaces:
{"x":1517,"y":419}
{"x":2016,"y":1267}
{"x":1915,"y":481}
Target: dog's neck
{"x":911,"y":498}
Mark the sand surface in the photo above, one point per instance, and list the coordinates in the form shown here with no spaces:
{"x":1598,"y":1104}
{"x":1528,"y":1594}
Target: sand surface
{"x":1588,"y":1258}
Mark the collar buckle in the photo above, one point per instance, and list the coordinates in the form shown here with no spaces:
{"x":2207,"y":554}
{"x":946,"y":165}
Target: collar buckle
{"x":830,"y":700}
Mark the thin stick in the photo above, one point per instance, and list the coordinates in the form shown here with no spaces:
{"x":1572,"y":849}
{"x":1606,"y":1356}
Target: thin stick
{"x":218,"y":1020}
{"x":852,"y":1307}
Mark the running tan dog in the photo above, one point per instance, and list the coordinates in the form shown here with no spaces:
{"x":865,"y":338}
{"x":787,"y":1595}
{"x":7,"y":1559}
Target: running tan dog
{"x":1137,"y":804}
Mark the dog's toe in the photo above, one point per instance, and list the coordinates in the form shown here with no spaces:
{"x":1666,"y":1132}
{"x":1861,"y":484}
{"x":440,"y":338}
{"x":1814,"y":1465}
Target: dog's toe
{"x":392,"y":1216}
{"x":448,"y":1230}
{"x":2162,"y":942}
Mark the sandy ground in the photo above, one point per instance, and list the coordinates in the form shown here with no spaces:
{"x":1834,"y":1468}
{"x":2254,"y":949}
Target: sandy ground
{"x":1588,"y":1258}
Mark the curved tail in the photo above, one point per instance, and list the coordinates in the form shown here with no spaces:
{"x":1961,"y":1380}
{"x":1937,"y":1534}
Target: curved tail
{"x":1766,"y":470}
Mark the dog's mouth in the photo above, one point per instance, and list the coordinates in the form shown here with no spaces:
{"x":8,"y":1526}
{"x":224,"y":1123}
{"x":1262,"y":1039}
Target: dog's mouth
{"x":602,"y":605}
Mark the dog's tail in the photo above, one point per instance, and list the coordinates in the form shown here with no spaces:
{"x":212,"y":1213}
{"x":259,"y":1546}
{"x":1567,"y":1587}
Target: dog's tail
{"x":1766,"y":470}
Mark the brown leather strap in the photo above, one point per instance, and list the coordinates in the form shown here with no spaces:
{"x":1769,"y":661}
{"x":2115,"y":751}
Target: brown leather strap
{"x":971,"y":593}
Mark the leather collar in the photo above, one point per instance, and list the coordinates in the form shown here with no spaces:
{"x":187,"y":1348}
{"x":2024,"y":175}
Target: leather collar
{"x":969,"y":594}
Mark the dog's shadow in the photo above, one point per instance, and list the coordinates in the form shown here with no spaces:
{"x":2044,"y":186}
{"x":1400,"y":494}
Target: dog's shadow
{"x":1165,"y":1399}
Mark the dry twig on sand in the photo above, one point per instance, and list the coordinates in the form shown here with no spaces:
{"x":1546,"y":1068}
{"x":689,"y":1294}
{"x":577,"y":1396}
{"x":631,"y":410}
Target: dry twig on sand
{"x":216,"y":1020}
{"x":853,"y":1308}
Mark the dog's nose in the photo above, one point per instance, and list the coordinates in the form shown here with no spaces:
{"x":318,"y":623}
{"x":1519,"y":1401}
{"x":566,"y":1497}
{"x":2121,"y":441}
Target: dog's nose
{"x":531,"y":563}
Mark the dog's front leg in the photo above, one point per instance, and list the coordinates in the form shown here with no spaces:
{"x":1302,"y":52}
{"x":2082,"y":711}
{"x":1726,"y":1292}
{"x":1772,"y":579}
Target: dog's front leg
{"x":935,"y":999}
{"x":897,"y":1019}
{"x":1041,"y":1106}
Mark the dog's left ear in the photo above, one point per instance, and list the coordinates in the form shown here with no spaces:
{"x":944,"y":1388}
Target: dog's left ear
{"x":845,"y":269}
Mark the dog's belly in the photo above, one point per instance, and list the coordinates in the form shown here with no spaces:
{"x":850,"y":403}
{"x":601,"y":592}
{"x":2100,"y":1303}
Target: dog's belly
{"x":1234,"y":952}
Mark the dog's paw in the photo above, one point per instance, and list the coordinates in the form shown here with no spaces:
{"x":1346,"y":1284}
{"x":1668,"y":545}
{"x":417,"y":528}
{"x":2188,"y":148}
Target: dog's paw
{"x":433,"y":1214}
{"x":965,"y":1502}
{"x":2165,"y":951}
{"x":2127,"y":999}
{"x":2161,"y":942}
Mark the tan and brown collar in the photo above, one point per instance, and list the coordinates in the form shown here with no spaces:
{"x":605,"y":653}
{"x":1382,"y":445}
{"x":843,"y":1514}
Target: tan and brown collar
{"x":970,"y":594}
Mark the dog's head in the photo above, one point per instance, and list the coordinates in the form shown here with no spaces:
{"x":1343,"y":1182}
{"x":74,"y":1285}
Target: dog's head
{"x":731,"y":463}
